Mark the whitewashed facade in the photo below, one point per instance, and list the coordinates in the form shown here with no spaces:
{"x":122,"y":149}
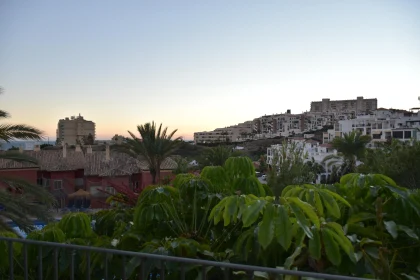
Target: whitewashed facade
{"x":383,"y":125}
{"x":312,"y":150}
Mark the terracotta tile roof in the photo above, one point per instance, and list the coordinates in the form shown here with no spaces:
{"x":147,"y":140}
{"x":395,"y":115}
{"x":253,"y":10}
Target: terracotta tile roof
{"x":167,"y":164}
{"x":93,"y":164}
{"x":118,"y":164}
{"x":49,"y":160}
{"x":312,"y":141}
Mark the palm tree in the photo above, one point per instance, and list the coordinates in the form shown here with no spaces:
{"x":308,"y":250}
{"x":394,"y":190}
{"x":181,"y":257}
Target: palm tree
{"x":154,"y":144}
{"x":217,"y":156}
{"x":350,"y":148}
{"x":21,"y":200}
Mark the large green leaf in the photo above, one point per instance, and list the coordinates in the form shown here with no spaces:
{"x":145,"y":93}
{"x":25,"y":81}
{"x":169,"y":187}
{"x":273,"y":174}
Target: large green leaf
{"x":217,"y":212}
{"x":336,"y":196}
{"x":231,"y":206}
{"x":408,"y":231}
{"x":283,"y":228}
{"x":267,"y":226}
{"x":291,"y":259}
{"x":307,"y":209}
{"x":360,"y":217}
{"x":339,"y":236}
{"x":318,"y":204}
{"x":301,"y":219}
{"x":331,"y":246}
{"x":315,"y":244}
{"x":252,"y":212}
{"x":331,"y":205}
{"x":392,"y":228}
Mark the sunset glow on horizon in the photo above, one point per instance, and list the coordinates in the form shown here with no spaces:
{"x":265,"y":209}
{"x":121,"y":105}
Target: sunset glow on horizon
{"x":196,"y":66}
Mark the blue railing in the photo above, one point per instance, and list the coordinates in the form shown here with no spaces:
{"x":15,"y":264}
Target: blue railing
{"x":30,"y":264}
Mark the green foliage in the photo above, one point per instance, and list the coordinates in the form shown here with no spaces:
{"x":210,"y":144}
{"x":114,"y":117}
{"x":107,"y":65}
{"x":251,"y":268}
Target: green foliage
{"x":154,"y":145}
{"x":216,"y":156}
{"x":365,"y":225}
{"x":398,"y":160}
{"x":351,"y":147}
{"x":76,"y":225}
{"x":289,"y":168}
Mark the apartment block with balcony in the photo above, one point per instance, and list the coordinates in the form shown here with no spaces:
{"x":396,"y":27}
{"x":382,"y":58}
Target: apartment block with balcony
{"x":358,"y":106}
{"x":74,"y":129}
{"x":383,"y":125}
{"x":235,"y":133}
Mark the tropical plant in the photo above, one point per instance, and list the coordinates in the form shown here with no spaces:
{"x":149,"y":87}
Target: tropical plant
{"x":217,"y":156}
{"x":365,"y":226}
{"x":398,"y":160}
{"x":19,"y":199}
{"x":288,"y":167}
{"x":154,"y":145}
{"x":181,"y":165}
{"x":9,"y":132}
{"x":351,"y":148}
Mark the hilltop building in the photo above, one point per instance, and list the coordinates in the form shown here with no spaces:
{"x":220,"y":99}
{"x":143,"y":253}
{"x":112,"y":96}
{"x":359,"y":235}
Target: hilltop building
{"x":322,"y":114}
{"x":234,"y":133}
{"x":74,"y":129}
{"x":355,"y":106}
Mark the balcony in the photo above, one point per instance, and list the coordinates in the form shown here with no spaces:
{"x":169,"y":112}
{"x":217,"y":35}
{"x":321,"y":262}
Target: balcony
{"x":49,"y":260}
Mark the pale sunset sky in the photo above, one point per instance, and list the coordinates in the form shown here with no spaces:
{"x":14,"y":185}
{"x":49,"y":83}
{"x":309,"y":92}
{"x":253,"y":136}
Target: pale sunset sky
{"x":198,"y":65}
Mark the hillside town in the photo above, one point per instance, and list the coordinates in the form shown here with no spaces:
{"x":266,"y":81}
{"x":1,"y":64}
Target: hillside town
{"x":210,"y":140}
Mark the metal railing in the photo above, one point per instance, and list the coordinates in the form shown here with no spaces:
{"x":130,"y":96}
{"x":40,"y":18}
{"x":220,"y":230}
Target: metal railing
{"x":44,"y":260}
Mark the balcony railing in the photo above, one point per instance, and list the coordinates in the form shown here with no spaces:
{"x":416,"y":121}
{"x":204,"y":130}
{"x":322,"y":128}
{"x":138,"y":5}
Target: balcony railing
{"x":163,"y":266}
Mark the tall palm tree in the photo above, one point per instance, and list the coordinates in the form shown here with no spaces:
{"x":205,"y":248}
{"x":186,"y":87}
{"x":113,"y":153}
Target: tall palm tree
{"x":19,"y":199}
{"x":351,"y":147}
{"x":154,"y":144}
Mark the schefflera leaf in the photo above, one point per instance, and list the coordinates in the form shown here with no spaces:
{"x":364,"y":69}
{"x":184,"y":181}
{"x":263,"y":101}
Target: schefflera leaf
{"x":275,"y":224}
{"x":315,"y":245}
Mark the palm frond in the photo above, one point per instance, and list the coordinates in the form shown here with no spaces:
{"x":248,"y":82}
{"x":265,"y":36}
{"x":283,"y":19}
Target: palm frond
{"x":19,"y":131}
{"x":4,"y":114}
{"x":23,"y":201}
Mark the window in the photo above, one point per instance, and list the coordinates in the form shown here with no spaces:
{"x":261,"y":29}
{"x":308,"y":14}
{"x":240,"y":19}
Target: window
{"x":110,"y":190}
{"x":397,"y":134}
{"x":46,"y":182}
{"x":58,"y":184}
{"x":39,"y":181}
{"x":407,"y":134}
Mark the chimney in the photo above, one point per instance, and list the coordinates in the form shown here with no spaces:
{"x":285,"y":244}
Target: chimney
{"x":21,"y":149}
{"x":107,"y":153}
{"x":64,"y":150}
{"x":37,"y":148}
{"x":89,"y":149}
{"x":78,"y":148}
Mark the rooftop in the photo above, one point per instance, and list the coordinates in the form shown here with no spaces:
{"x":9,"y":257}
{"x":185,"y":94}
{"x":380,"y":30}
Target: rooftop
{"x":94,"y":163}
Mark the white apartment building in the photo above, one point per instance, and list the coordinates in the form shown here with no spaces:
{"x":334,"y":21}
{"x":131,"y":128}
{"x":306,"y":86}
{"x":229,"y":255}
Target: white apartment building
{"x":382,"y":125}
{"x":69,"y":130}
{"x":312,"y":150}
{"x":286,"y":124}
{"x":235,"y":133}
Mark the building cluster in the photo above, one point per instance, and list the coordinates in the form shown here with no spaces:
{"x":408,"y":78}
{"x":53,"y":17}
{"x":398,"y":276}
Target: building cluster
{"x":322,"y":113}
{"x":65,"y":171}
{"x":380,"y":124}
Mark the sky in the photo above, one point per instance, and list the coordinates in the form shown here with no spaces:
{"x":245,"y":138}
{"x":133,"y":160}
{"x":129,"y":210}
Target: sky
{"x":200,"y":65}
